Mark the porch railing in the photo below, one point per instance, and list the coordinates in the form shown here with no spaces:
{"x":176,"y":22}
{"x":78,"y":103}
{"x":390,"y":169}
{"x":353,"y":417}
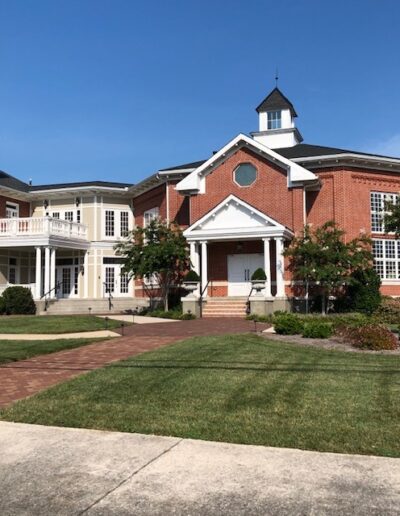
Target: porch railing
{"x":43,"y":226}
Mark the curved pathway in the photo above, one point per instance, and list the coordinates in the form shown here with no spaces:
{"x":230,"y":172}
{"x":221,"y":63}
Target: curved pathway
{"x":27,"y":377}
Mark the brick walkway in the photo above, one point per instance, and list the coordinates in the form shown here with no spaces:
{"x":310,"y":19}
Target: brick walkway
{"x":26,"y":377}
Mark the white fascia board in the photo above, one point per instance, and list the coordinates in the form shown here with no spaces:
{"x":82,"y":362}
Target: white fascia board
{"x":75,"y":189}
{"x":348,"y":155}
{"x":240,"y":234}
{"x":175,"y":171}
{"x":195,"y":180}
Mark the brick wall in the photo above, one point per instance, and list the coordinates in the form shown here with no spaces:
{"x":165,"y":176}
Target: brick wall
{"x":24,"y":207}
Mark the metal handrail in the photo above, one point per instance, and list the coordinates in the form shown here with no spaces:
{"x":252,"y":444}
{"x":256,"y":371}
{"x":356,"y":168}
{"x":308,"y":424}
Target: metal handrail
{"x":201,"y":297}
{"x":110,"y":296}
{"x":47,"y":297}
{"x":248,"y":301}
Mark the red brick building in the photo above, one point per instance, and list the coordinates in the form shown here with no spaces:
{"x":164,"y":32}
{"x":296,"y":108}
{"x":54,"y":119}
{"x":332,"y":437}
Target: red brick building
{"x":242,"y":206}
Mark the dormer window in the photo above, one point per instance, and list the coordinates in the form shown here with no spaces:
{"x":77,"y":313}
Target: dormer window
{"x":274,"y":120}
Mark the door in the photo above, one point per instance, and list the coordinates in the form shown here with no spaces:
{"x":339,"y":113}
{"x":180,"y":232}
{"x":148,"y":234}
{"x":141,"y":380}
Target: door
{"x":115,"y":282}
{"x":240,"y":270}
{"x":67,"y":280}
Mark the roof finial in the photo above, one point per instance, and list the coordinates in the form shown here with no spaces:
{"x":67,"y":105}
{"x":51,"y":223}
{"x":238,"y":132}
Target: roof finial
{"x":276,"y":77}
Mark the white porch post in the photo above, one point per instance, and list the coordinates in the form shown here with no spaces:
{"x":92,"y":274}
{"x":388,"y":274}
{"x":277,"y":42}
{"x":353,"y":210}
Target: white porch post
{"x":46,"y":269}
{"x":194,"y":257}
{"x":267,"y":267}
{"x":53,"y":272}
{"x":280,"y":284}
{"x":86,"y":274}
{"x":204,"y":272}
{"x":38,"y":277}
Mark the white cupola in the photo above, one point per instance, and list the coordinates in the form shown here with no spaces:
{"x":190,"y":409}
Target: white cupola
{"x":276,"y":122}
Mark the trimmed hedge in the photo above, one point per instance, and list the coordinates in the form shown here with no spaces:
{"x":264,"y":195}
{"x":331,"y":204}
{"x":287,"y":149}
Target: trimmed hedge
{"x":18,"y":301}
{"x":258,"y":275}
{"x":192,"y":276}
{"x":288,"y":324}
{"x":317,"y":330}
{"x":388,"y":311}
{"x":363,"y":293}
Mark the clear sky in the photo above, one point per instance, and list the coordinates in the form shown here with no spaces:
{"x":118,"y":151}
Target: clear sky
{"x":117,"y":89}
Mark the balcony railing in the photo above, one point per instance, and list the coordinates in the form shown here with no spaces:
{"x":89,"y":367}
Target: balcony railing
{"x":42,"y":226}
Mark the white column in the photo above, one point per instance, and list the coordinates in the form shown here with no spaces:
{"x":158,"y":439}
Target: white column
{"x":280,"y":284}
{"x":38,"y":277}
{"x":53,"y":271}
{"x":204,"y":272}
{"x":267,"y":267}
{"x":46,"y":269}
{"x":86,"y":274}
{"x":194,"y":257}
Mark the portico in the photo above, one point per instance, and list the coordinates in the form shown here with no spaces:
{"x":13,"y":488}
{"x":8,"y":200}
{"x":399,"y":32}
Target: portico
{"x":230,"y":242}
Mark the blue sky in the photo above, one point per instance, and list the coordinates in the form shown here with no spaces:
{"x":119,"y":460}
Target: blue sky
{"x":116,"y":89}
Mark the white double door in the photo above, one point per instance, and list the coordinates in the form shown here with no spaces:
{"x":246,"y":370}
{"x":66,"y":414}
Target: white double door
{"x":240,"y":270}
{"x":67,"y":280}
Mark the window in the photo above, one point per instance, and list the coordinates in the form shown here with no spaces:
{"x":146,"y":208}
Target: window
{"x":150,"y":215}
{"x":124,"y":281}
{"x":124,"y":223}
{"x":274,"y":120}
{"x":76,"y":279}
{"x":69,"y":215}
{"x":110,"y":280}
{"x":378,"y":204}
{"x":245,"y":174}
{"x":12,"y":210}
{"x":55,"y":214}
{"x":78,"y":216}
{"x":110,"y":223}
{"x":12,"y":271}
{"x":387,"y":258}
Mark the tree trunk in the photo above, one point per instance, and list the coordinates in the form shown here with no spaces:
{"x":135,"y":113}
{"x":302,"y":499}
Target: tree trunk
{"x":323,"y":303}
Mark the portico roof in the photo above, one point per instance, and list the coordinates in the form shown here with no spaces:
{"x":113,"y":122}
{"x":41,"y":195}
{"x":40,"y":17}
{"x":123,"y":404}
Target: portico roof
{"x":235,"y":219}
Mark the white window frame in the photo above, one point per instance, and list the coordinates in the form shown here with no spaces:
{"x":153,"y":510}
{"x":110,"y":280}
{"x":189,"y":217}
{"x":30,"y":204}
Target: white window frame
{"x":122,"y":286}
{"x":108,"y":223}
{"x":387,"y":258}
{"x":377,"y":209}
{"x":149,"y":215}
{"x":14,"y":207}
{"x":274,"y":120}
{"x":118,"y":234}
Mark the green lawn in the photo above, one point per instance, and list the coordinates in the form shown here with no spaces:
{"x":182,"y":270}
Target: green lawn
{"x":241,"y":389}
{"x":54,"y":323}
{"x":13,"y":350}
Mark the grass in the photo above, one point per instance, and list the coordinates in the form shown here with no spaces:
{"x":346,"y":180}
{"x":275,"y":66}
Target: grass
{"x":240,"y":389}
{"x":55,"y":324}
{"x":13,"y":350}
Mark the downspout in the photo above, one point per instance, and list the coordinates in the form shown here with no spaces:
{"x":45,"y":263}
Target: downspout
{"x":167,"y":199}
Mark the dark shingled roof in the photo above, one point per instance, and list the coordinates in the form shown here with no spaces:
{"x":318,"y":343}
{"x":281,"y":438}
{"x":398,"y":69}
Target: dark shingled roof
{"x":276,"y":100}
{"x":12,"y":182}
{"x":194,"y":164}
{"x":305,"y":150}
{"x":106,"y":184}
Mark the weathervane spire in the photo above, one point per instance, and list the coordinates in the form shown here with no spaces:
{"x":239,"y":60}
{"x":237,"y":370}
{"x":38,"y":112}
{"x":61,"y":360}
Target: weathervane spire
{"x":276,"y":77}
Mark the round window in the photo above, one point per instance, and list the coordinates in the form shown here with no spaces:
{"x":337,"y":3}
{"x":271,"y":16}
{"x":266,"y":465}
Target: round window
{"x":245,"y":174}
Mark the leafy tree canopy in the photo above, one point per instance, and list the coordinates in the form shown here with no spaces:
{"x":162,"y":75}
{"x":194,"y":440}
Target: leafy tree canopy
{"x":157,"y":253}
{"x":323,"y":259}
{"x":391,"y":219}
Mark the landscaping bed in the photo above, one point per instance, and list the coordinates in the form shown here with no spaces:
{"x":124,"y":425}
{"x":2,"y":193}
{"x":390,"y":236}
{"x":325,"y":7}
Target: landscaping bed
{"x":236,"y":388}
{"x":55,"y":324}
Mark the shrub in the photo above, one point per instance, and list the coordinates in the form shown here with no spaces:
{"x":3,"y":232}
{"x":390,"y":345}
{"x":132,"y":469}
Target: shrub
{"x":187,"y":317}
{"x":363,"y":293}
{"x":388,"y":311}
{"x":369,"y":336}
{"x":288,"y":324}
{"x":317,"y":330}
{"x":258,"y":275}
{"x":191,"y":276}
{"x":18,"y":300}
{"x":2,"y":306}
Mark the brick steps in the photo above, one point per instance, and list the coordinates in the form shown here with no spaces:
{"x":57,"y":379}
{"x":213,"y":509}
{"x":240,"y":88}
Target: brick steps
{"x":227,"y":307}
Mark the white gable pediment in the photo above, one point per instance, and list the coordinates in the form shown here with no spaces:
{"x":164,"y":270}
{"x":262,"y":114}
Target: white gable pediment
{"x":234,"y":217}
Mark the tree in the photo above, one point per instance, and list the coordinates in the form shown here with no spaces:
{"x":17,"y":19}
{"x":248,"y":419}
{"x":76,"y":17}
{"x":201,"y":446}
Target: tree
{"x":156,"y":253}
{"x":324,"y":262}
{"x":391,"y":218}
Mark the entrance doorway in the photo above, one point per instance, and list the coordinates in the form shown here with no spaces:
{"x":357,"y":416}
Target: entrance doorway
{"x":67,"y":279}
{"x":240,"y":270}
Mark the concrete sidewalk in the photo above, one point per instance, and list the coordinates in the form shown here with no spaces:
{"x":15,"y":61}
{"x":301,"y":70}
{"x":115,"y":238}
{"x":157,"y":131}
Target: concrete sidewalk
{"x":47,"y":470}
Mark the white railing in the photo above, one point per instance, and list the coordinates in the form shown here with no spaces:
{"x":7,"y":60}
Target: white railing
{"x":31,"y":286}
{"x":44,"y":226}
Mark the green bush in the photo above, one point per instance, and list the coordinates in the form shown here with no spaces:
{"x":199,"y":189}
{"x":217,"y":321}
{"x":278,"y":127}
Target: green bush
{"x":2,"y":306}
{"x":370,"y":336}
{"x":388,"y":311}
{"x":187,"y":317}
{"x":191,"y":276}
{"x":317,"y":330}
{"x":18,"y":300}
{"x":363,"y":293}
{"x":288,"y":324}
{"x":258,"y":275}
